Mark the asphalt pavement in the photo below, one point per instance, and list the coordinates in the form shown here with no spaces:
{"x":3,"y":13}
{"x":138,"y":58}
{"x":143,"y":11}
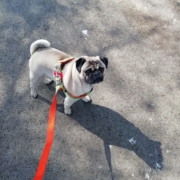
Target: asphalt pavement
{"x":131,"y":130}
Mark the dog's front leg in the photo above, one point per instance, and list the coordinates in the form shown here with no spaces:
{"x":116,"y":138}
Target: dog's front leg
{"x":67,"y":104}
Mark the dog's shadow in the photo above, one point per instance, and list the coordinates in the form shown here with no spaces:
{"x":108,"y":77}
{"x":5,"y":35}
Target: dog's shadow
{"x":115,"y":130}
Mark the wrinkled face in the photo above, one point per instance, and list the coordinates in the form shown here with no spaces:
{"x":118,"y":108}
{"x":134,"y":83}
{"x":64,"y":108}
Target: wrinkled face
{"x":91,"y":69}
{"x":94,"y":73}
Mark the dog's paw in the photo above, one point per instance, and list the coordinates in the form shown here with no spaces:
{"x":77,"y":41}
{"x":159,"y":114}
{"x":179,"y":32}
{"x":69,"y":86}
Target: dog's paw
{"x":87,"y":99}
{"x":34,"y":94}
{"x":68,"y":111}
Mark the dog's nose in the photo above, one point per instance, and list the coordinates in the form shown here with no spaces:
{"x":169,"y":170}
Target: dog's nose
{"x":97,"y":77}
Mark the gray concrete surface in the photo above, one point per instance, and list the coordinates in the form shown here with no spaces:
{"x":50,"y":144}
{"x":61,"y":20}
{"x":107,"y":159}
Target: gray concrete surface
{"x":139,"y":98}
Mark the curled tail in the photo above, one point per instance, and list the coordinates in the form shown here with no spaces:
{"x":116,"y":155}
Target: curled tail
{"x":40,"y":43}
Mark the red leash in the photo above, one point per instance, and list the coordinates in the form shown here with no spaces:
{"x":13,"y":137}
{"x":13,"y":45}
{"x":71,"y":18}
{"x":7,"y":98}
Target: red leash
{"x":51,"y":121}
{"x":49,"y":139}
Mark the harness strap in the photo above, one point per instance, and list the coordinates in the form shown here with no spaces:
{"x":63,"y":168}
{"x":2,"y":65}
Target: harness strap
{"x":76,"y":97}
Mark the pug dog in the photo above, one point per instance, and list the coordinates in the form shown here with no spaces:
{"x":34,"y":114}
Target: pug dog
{"x":79,"y":75}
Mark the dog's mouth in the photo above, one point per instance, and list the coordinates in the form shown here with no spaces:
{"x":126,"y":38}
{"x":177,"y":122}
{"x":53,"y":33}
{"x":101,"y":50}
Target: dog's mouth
{"x":95,"y":78}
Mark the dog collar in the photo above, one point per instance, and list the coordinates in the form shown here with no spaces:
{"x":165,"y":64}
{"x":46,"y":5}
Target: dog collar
{"x":58,"y":74}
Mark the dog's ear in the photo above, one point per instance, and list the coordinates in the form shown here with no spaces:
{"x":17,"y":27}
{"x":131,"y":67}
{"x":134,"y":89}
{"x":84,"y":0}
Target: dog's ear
{"x":79,"y":64}
{"x":105,"y":61}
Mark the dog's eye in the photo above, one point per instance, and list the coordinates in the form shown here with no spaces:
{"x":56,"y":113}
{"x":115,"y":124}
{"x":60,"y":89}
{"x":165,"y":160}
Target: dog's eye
{"x":101,"y":69}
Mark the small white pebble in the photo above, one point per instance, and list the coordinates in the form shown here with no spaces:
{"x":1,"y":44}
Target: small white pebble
{"x":132,"y":141}
{"x":85,"y":32}
{"x":158,"y":166}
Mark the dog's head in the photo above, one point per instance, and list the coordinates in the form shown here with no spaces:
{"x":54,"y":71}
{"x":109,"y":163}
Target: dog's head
{"x":91,"y":69}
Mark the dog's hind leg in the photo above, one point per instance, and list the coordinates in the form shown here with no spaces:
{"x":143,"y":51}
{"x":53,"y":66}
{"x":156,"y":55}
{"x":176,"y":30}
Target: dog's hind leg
{"x":33,"y":82}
